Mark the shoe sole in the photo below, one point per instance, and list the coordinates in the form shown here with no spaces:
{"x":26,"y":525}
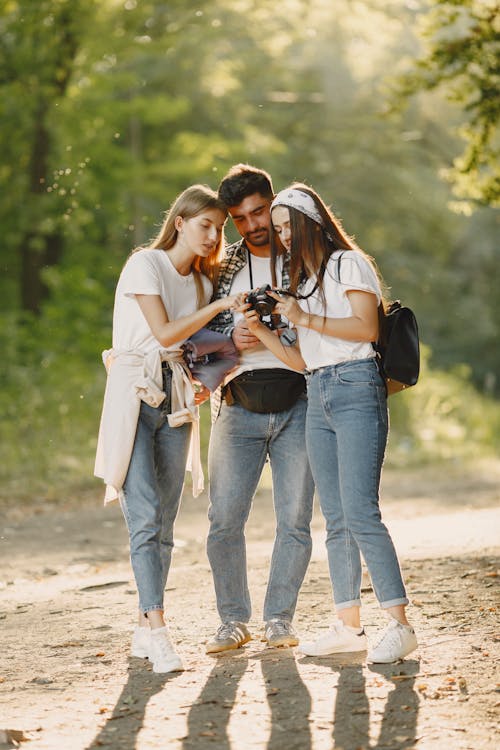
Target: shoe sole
{"x":333,"y":653}
{"x":390,"y":661}
{"x":218,"y":649}
{"x":176,"y":667}
{"x":282,"y":642}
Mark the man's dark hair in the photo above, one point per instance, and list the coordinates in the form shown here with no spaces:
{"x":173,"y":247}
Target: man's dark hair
{"x":243,"y":180}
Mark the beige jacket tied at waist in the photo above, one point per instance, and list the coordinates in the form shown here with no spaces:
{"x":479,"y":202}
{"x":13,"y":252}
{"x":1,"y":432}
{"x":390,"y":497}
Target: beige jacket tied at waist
{"x":134,"y":377}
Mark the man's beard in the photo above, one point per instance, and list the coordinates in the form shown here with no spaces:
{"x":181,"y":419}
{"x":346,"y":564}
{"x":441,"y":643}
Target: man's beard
{"x":262,"y":238}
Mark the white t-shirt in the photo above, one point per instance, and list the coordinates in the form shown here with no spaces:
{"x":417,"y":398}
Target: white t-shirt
{"x":319,"y":350}
{"x":151,"y":272}
{"x":259,"y":357}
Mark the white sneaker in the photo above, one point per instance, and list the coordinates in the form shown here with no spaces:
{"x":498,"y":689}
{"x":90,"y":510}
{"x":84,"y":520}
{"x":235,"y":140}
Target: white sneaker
{"x":339,"y":640}
{"x":395,"y":642}
{"x":162,"y":652}
{"x":141,"y":642}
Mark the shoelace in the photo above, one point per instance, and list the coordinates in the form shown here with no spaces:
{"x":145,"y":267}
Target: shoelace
{"x":278,"y":627}
{"x":227,"y":630}
{"x":164,"y":645}
{"x":337,"y":627}
{"x":390,"y":636}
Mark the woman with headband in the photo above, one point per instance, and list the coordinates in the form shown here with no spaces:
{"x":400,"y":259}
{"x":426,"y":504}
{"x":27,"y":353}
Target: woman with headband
{"x":336,"y":318}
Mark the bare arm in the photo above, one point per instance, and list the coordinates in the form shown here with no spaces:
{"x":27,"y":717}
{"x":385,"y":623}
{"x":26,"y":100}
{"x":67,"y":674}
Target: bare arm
{"x":362,"y":325}
{"x":290,"y":355}
{"x":169,"y":332}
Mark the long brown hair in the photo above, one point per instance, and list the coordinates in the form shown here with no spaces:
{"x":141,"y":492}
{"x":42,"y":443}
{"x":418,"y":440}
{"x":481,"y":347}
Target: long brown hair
{"x":192,"y":202}
{"x":314,"y":243}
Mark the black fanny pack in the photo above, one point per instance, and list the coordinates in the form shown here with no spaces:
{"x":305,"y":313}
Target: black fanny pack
{"x":265,"y":391}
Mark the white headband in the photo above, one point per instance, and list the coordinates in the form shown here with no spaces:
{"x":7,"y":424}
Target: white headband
{"x":303,"y":202}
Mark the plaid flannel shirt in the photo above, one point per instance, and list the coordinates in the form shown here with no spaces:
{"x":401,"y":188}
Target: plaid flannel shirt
{"x":234,"y":260}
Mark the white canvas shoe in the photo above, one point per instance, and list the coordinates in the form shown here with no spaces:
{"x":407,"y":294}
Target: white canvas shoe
{"x":162,"y":652}
{"x":141,"y":642}
{"x":339,"y":640}
{"x":395,"y":642}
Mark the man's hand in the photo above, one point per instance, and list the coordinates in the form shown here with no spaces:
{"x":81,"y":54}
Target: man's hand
{"x":242,"y":337}
{"x":201,"y":393}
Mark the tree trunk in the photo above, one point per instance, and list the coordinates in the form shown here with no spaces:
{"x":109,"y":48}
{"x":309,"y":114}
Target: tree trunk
{"x":40,"y":250}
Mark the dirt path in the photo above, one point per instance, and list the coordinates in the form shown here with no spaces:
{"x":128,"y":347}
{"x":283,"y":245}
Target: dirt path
{"x":67,"y":602}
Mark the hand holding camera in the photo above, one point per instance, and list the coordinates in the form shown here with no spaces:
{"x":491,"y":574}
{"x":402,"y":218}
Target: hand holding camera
{"x":263,"y":306}
{"x":263,"y":301}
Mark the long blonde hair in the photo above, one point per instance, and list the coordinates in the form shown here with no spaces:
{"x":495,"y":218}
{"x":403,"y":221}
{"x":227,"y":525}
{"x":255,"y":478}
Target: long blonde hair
{"x":192,"y":202}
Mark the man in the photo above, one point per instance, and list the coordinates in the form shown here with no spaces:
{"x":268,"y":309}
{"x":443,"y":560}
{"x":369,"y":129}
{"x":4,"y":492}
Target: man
{"x":243,"y":439}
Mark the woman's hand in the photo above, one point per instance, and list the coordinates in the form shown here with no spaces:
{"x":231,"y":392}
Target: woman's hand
{"x":289,"y":307}
{"x":232,"y":301}
{"x":290,"y":355}
{"x":253,"y":321}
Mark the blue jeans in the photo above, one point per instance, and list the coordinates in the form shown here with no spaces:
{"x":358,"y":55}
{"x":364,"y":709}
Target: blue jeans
{"x":240,"y":442}
{"x":346,"y":435}
{"x":151,"y":497}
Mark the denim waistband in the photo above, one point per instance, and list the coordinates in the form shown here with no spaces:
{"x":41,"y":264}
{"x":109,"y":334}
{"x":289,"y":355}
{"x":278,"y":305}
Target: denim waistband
{"x":343,"y":365}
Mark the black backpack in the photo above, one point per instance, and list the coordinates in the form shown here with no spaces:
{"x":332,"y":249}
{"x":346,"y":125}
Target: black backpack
{"x":398,"y":349}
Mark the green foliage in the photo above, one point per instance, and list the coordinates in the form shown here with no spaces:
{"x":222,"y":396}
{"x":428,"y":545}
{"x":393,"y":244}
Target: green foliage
{"x":50,"y":405}
{"x":51,"y":416}
{"x":461,"y":57}
{"x":110,"y":108}
{"x":442,"y":418}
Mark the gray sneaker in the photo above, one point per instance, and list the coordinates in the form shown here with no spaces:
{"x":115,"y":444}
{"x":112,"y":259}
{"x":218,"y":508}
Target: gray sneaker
{"x":280,"y":633}
{"x":230,"y":635}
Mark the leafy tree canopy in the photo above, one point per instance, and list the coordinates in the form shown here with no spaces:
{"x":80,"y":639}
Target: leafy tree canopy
{"x":462,"y":58}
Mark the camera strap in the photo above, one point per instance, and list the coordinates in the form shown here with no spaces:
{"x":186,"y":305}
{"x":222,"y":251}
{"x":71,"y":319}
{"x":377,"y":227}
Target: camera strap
{"x":319,"y":278}
{"x":250,"y":272}
{"x":249,"y":261}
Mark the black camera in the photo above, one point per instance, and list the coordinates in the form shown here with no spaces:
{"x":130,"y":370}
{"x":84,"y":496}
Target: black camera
{"x":261,"y":302}
{"x":264,"y":305}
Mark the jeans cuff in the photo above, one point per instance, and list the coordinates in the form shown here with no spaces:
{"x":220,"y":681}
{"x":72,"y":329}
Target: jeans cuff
{"x":153,"y":608}
{"x":395,"y":603}
{"x":346,"y":605}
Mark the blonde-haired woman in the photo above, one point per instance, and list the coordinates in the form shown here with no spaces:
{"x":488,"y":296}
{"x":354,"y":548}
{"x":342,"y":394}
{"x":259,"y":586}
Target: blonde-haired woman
{"x":150,"y":406}
{"x":336,"y":316}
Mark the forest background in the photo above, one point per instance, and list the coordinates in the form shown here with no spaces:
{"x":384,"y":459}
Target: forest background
{"x":110,"y":108}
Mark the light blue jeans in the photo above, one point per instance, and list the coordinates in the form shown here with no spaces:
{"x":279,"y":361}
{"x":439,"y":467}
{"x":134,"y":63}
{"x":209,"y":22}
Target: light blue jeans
{"x":346,"y":435}
{"x":240,"y":442}
{"x":152,"y":493}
